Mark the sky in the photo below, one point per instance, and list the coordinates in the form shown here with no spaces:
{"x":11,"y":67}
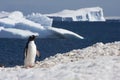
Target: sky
{"x":110,"y":7}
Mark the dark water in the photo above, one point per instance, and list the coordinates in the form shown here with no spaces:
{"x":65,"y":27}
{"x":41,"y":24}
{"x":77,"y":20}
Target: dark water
{"x":96,"y":31}
{"x":12,"y":50}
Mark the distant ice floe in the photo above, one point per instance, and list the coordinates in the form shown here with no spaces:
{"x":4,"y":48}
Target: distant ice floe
{"x":113,"y":18}
{"x":84,"y":14}
{"x":97,"y":62}
{"x":16,"y":25}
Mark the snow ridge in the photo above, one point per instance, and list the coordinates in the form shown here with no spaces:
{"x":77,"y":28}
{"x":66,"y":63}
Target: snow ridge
{"x":98,"y":49}
{"x":97,"y":62}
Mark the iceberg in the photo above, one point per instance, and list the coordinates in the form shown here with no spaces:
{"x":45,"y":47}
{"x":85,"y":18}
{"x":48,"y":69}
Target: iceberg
{"x":84,"y":14}
{"x":16,"y":25}
{"x":15,"y":33}
{"x":41,"y":19}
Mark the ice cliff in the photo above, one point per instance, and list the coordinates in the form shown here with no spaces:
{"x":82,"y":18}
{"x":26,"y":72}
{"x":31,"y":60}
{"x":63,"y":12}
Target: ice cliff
{"x":84,"y":14}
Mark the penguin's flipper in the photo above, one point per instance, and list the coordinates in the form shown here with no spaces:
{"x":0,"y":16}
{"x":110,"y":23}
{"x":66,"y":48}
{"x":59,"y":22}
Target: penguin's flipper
{"x":38,"y":53}
{"x":25,"y":52}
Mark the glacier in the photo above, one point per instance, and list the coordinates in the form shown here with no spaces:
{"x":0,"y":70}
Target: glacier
{"x":84,"y":14}
{"x":16,"y":25}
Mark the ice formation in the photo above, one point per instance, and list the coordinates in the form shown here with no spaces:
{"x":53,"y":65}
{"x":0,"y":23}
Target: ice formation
{"x":112,"y":18}
{"x":84,"y":14}
{"x":15,"y":33}
{"x":15,"y":25}
{"x":41,"y":19}
{"x":97,"y":62}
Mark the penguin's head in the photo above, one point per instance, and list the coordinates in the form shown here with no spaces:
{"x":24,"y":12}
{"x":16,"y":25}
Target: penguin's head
{"x":32,"y":38}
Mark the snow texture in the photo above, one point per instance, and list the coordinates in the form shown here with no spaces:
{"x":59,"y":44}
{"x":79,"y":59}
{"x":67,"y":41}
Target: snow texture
{"x":15,"y":25}
{"x":84,"y":14}
{"x":41,"y":19}
{"x":97,"y":62}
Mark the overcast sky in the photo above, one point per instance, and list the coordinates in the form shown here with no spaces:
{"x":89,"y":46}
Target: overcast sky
{"x":110,"y":7}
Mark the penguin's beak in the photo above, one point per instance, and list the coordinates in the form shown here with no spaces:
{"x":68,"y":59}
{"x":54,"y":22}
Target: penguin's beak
{"x":33,"y":36}
{"x":36,"y":35}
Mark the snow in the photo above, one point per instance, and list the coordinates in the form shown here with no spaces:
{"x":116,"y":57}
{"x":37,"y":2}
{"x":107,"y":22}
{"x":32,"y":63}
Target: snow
{"x":41,"y":19}
{"x":36,"y":23}
{"x":3,"y":14}
{"x":84,"y":14}
{"x":14,"y":33}
{"x":97,"y":62}
{"x":65,"y":32}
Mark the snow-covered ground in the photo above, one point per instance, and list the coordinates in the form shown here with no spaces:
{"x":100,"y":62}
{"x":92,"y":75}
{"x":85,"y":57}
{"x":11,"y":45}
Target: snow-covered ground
{"x":97,"y":62}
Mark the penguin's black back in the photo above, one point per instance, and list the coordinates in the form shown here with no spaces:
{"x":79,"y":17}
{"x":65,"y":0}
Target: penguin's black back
{"x":31,"y":38}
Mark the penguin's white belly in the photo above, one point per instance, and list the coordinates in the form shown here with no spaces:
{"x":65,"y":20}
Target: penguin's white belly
{"x":31,"y":54}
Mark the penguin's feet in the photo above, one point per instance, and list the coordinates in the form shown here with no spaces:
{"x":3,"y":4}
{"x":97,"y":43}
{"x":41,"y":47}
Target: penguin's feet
{"x":30,"y":66}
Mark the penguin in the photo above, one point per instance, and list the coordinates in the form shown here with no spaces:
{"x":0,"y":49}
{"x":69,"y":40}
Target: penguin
{"x":30,"y":52}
